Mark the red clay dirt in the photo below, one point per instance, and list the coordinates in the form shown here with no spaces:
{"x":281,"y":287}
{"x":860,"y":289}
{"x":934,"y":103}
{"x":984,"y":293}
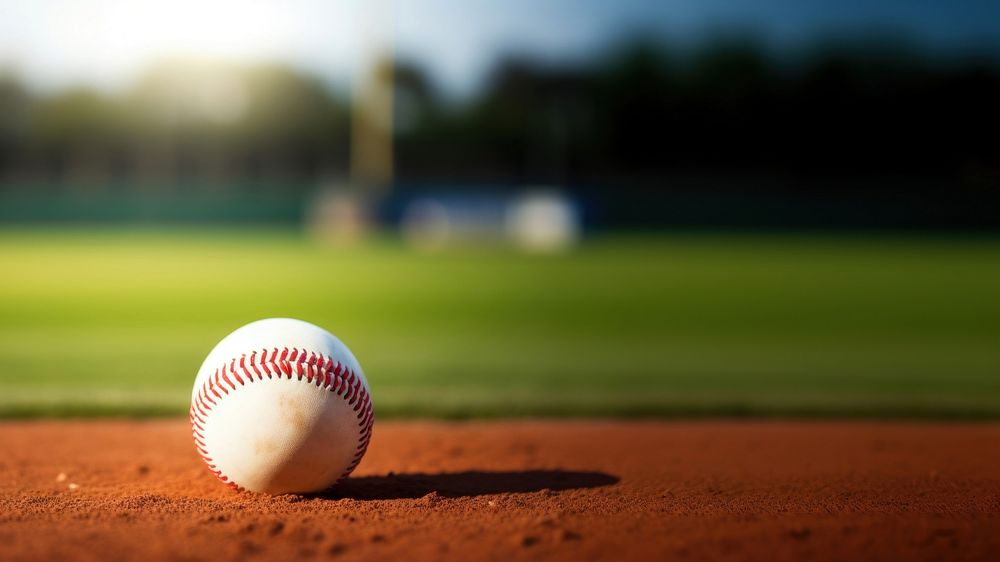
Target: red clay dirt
{"x":553,"y":490}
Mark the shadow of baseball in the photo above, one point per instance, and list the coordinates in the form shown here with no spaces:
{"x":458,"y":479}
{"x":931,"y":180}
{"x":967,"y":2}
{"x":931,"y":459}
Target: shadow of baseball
{"x":464,"y":484}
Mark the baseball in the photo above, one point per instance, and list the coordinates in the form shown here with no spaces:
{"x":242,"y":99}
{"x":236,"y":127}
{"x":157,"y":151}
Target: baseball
{"x":281,"y":406}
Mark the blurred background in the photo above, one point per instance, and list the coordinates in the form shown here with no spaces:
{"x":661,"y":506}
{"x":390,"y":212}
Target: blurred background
{"x":508,"y":208}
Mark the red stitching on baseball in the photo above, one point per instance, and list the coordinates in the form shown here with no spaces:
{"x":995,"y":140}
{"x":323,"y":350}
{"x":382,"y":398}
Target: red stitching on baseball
{"x":219,"y":382}
{"x":321,"y":369}
{"x":232,"y":369}
{"x":264,"y":362}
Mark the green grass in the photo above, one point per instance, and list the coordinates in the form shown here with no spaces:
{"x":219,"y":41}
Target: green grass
{"x":97,"y":322}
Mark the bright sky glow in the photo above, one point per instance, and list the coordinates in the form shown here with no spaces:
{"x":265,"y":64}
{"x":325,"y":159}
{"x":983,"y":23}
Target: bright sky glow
{"x":52,"y":43}
{"x":105,"y":42}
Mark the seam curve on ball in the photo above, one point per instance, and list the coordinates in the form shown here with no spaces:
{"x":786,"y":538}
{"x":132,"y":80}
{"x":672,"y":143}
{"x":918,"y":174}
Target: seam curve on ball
{"x":290,"y":363}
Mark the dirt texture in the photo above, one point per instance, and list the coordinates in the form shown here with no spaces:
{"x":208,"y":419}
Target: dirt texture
{"x":508,"y":490}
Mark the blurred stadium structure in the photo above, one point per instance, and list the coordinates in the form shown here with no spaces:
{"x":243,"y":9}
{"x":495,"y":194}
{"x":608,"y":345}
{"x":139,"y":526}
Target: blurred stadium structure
{"x":864,"y":130}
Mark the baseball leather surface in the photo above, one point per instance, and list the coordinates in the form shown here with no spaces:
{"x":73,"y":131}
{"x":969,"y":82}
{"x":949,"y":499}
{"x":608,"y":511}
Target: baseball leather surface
{"x":281,"y":406}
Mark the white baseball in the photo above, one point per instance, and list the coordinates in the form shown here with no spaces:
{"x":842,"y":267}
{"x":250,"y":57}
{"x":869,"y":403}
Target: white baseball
{"x":281,"y":406}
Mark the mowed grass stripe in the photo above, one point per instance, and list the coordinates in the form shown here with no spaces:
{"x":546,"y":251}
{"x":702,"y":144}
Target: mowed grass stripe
{"x":117,"y":321}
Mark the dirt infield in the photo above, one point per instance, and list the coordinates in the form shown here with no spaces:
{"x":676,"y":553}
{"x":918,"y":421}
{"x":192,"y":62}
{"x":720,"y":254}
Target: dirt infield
{"x":577,"y":490}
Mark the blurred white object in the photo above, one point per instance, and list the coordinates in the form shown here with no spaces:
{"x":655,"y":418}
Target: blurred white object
{"x":338,"y":215}
{"x":426,"y":225}
{"x":543,"y":222}
{"x":535,"y":222}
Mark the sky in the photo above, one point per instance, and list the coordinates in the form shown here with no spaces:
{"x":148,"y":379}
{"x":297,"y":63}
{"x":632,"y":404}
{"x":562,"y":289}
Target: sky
{"x":106,"y":43}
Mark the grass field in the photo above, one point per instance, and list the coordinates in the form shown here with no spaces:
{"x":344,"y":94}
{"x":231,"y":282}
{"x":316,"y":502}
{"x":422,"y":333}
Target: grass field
{"x":118,"y":321}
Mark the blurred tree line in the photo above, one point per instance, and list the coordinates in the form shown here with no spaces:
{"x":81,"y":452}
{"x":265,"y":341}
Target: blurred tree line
{"x":874,"y":116}
{"x":182,"y":123}
{"x":864,"y":118}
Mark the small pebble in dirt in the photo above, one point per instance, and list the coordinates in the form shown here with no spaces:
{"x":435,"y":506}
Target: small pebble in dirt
{"x":430,"y":500}
{"x":61,"y":477}
{"x":142,"y":470}
{"x":567,"y":535}
{"x":73,"y":486}
{"x":336,"y":549}
{"x":377,"y":538}
{"x":277,"y":527}
{"x":528,"y":540}
{"x":491,"y":503}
